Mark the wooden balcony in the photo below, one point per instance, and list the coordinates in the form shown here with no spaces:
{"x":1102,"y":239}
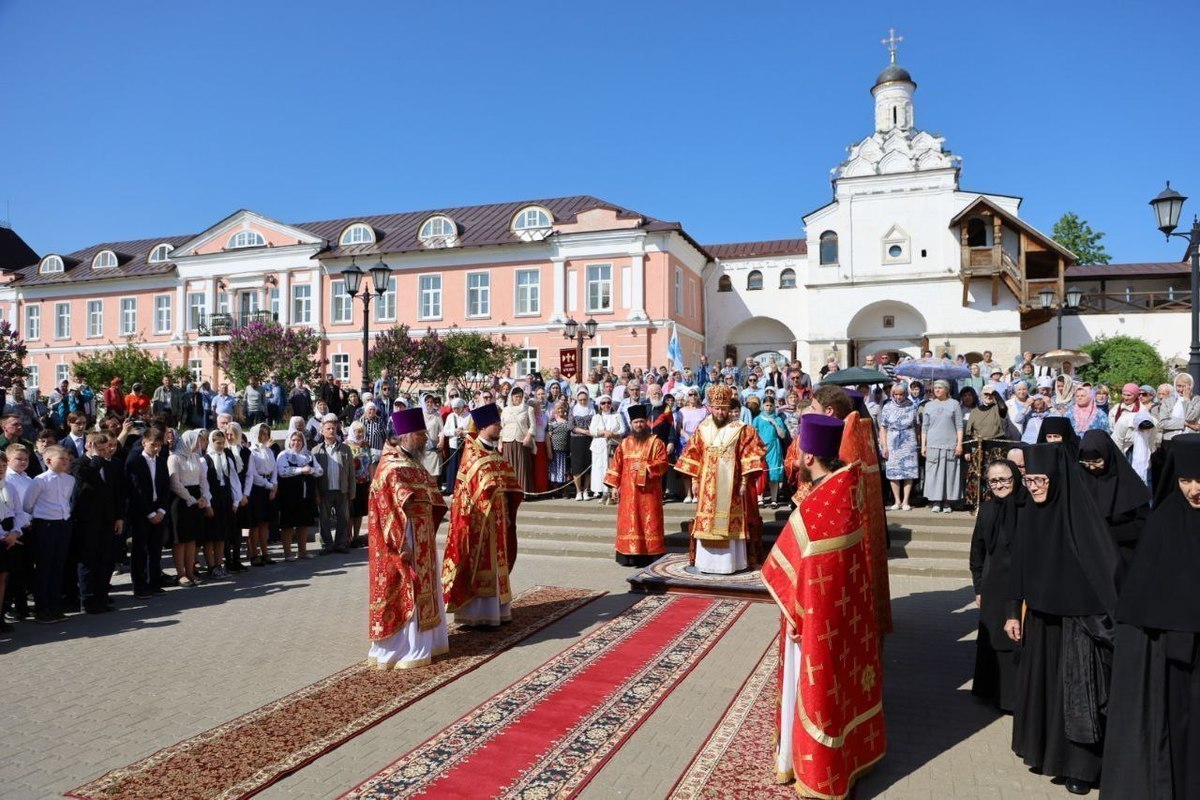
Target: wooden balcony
{"x":1126,"y":302}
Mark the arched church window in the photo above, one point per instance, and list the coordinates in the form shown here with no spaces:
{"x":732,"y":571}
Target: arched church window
{"x":787,"y":279}
{"x":724,"y":284}
{"x":976,"y":233}
{"x":829,"y":247}
{"x":754,"y":280}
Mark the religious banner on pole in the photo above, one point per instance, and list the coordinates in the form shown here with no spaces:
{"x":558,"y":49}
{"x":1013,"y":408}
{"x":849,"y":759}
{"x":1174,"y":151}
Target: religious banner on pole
{"x":568,"y":362}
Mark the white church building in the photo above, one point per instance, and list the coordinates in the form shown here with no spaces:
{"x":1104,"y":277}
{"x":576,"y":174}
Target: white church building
{"x":903,"y":259}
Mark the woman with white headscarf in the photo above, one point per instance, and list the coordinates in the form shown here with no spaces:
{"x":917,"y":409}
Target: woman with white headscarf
{"x":298,"y":471}
{"x":365,"y":460}
{"x":189,"y":484}
{"x":261,"y":484}
{"x":431,"y":459}
{"x":239,"y":454}
{"x":454,"y":433}
{"x":606,"y":429}
{"x":225,"y":487}
{"x":942,"y":447}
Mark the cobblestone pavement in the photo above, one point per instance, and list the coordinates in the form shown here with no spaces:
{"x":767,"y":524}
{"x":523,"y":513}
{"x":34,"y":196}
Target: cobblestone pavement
{"x":99,"y":692}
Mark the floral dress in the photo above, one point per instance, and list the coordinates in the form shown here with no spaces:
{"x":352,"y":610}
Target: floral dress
{"x":901,"y":424}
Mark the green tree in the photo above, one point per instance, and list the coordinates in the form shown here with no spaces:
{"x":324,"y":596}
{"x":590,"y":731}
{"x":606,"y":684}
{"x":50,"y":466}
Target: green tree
{"x":12,"y":354}
{"x":474,"y":359}
{"x":1077,"y":236}
{"x":434,"y":359}
{"x":1123,"y":359}
{"x":261,"y":348}
{"x":131,"y":363}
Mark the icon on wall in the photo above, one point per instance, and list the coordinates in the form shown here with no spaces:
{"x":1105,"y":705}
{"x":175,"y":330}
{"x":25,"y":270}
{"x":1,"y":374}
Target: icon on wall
{"x":889,"y":322}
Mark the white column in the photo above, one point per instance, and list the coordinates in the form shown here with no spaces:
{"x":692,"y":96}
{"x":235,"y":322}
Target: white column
{"x":285,"y":298}
{"x":559,"y":266}
{"x":210,"y":291}
{"x":637,"y":308}
{"x":319,"y":300}
{"x":180,"y":310}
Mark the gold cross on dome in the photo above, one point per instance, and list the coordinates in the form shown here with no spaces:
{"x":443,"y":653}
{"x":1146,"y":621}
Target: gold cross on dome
{"x":891,"y":42}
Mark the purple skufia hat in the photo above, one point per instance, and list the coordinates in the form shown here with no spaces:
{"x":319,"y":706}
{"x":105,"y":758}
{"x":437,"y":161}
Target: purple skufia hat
{"x":485,"y":416}
{"x":821,"y":435}
{"x":410,"y":420}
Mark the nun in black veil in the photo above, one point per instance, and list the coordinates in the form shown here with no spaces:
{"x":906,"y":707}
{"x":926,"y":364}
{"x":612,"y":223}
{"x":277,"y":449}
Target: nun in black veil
{"x":1153,"y":748}
{"x":1059,"y":429}
{"x":1121,"y":495}
{"x":996,"y":655}
{"x":1064,"y":572}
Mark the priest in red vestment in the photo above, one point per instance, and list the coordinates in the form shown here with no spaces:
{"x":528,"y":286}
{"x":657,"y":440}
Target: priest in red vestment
{"x":406,"y":615}
{"x":635,"y":472}
{"x":481,"y":547}
{"x":830,"y":722}
{"x":724,"y":458}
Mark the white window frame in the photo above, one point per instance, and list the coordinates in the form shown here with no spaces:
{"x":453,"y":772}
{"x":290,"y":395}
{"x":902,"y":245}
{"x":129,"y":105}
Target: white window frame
{"x":33,"y":376}
{"x":532,"y":223}
{"x":385,"y":304}
{"x":600,"y":354}
{"x":302,"y":302}
{"x":526,"y":363}
{"x":679,"y":308}
{"x":339,"y":365}
{"x":588,"y":281}
{"x":51,"y":264}
{"x":434,"y":293}
{"x":160,"y":253}
{"x":105,"y":259}
{"x":438,"y":230}
{"x":33,"y":321}
{"x":341,"y":305}
{"x":122,"y":328}
{"x":533,"y":294}
{"x":196,"y":367}
{"x":62,"y":321}
{"x":196,"y":312}
{"x":222,"y":303}
{"x":95,"y":319}
{"x":485,"y":296}
{"x":62,"y":372}
{"x":357,"y":233}
{"x":244,"y":239}
{"x":273,"y":301}
{"x":162,"y":313}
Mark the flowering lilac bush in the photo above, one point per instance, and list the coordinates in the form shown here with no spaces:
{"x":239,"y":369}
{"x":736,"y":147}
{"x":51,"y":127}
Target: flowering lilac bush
{"x":261,"y":348}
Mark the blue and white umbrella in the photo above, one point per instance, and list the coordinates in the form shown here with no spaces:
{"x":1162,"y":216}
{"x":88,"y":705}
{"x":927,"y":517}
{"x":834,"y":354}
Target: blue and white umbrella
{"x":932,"y":369}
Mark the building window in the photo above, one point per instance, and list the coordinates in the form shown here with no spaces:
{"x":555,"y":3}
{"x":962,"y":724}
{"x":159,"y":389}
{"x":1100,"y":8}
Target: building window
{"x":358,"y":233}
{"x":196,"y":308}
{"x":438,"y":231}
{"x":599,"y":287}
{"x":162,"y":313}
{"x":95,"y":318}
{"x":597,"y":357}
{"x":385,"y":304}
{"x":340,"y":363}
{"x":62,"y":320}
{"x":245,"y":239}
{"x":529,"y":292}
{"x":160,"y":253}
{"x":678,"y":290}
{"x":105,"y":259}
{"x":787,"y":279}
{"x":724,"y":284}
{"x":430,"y":296}
{"x":33,"y":374}
{"x":196,"y":367}
{"x":754,"y":280}
{"x":128,"y":316}
{"x":33,"y":322}
{"x":526,"y":362}
{"x":223,"y":302}
{"x":51,"y":264}
{"x":302,"y":304}
{"x":62,"y":372}
{"x":977,"y":235}
{"x":479,"y":294}
{"x":275,"y":303}
{"x":532,"y":223}
{"x":829,"y":247}
{"x":340,"y":304}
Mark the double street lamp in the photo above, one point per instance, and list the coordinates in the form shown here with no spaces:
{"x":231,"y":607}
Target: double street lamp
{"x":573,"y":330}
{"x":1068,"y":305}
{"x":1167,"y":208}
{"x":381,"y":275}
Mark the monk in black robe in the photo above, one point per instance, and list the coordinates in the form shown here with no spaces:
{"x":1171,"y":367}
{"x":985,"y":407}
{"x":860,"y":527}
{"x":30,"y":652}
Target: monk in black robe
{"x":1121,"y":495}
{"x":1065,"y":571}
{"x":1153,"y":746}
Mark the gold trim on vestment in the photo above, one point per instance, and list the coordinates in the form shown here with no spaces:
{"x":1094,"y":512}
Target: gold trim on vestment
{"x":804,"y":790}
{"x":809,"y":548}
{"x":820,"y":736}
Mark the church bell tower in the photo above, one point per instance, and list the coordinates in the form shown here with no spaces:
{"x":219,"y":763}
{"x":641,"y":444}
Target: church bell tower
{"x":893,"y":91}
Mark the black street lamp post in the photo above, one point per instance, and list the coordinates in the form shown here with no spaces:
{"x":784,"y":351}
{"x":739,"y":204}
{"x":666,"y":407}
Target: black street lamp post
{"x":381,"y":274}
{"x":572,"y":330}
{"x":1167,"y":208}
{"x":1068,"y":305}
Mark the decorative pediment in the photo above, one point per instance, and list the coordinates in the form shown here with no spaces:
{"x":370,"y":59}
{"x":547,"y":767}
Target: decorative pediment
{"x":598,"y":219}
{"x":895,"y":162}
{"x":244,"y":230}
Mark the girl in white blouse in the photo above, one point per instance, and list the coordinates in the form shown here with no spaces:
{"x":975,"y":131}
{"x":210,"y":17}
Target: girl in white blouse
{"x":262,"y":482}
{"x":189,"y":484}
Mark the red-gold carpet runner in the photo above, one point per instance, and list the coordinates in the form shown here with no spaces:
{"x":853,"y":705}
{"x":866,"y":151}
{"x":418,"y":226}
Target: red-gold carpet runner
{"x":737,"y":761}
{"x":247,"y":754}
{"x":550,"y":732}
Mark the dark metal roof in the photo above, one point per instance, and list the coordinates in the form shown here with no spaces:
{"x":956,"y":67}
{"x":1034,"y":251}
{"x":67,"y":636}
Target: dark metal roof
{"x":1162,"y":269}
{"x":771,"y":247}
{"x":132,"y":261}
{"x":14,"y":252}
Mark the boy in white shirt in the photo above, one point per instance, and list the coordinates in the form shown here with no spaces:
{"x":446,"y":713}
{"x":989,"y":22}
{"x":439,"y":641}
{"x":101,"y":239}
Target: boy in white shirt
{"x":48,"y":501}
{"x":16,"y":482}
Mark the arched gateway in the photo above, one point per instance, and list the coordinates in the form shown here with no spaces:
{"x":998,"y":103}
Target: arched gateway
{"x":887,"y":326}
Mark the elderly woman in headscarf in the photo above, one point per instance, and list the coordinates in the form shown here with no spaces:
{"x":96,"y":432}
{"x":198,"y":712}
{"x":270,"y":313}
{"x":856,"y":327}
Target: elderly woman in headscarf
{"x":431,"y":459}
{"x":1039,"y":410}
{"x":1064,"y":394}
{"x":298,"y":472}
{"x":1085,"y":415}
{"x":365,"y":460}
{"x":261,"y":485}
{"x":942,"y":447}
{"x":606,"y":429}
{"x":190,"y":507}
{"x":987,"y":423}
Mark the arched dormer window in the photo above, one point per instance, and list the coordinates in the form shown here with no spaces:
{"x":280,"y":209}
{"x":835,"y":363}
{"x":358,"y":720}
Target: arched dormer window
{"x":754,"y":281}
{"x":977,"y":234}
{"x":161,"y":253}
{"x":532,"y":223}
{"x":724,"y":284}
{"x":787,"y":279}
{"x":245,"y":239}
{"x":438,"y":231}
{"x":51,"y":264}
{"x":829,"y":247}
{"x":105,"y":259}
{"x":358,"y":233}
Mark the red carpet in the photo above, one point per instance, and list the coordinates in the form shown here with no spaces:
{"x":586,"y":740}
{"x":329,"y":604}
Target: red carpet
{"x":245,"y":755}
{"x":550,"y":732}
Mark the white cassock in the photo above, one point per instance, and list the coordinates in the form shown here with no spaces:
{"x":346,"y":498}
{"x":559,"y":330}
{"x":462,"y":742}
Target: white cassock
{"x":784,"y":769}
{"x":410,"y":646}
{"x":484,"y":611}
{"x":721,"y":561}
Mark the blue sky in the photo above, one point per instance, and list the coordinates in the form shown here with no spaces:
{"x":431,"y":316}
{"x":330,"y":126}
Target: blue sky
{"x":140,"y":119}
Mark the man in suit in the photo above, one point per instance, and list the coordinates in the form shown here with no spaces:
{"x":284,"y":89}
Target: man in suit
{"x":75,"y":442}
{"x":335,"y":488}
{"x":97,"y":523}
{"x":148,"y":493}
{"x":11,"y":430}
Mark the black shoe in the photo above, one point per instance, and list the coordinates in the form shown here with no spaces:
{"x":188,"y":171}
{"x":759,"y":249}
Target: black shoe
{"x":1075,"y":786}
{"x":143,"y":595}
{"x":169,"y":580}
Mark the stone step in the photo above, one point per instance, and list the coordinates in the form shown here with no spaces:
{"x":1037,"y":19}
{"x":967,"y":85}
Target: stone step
{"x":956,"y":551}
{"x":930,"y":568}
{"x":930,"y":534}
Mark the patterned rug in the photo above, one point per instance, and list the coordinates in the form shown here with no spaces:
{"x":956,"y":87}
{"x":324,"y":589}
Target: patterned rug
{"x":737,"y":761}
{"x":247,"y":754}
{"x":550,"y":732}
{"x":672,"y":575}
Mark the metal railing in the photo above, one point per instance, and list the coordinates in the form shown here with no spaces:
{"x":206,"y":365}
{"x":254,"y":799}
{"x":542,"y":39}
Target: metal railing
{"x":210,"y":325}
{"x":1136,"y":302}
